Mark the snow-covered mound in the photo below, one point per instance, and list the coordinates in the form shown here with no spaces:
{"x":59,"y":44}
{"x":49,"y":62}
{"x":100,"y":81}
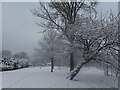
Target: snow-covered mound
{"x":7,"y":64}
{"x":36,"y":77}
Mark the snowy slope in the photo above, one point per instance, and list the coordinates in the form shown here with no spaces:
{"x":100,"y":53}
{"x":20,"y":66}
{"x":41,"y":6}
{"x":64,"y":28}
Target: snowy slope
{"x":0,"y":80}
{"x":35,"y":77}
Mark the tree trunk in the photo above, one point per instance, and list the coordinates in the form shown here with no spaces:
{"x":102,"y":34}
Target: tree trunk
{"x":106,"y":71}
{"x":52,"y":64}
{"x":86,"y":59}
{"x":71,"y":61}
{"x":76,"y":70}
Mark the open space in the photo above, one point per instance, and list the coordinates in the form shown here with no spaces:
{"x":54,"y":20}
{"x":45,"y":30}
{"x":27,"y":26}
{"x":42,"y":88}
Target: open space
{"x":34,"y":77}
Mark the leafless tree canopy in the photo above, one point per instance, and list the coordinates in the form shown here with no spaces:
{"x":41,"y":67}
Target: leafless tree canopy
{"x":96,"y":36}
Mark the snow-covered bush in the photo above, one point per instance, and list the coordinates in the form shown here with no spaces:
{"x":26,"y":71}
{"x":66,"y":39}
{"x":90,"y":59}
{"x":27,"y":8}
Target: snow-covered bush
{"x":23,"y":63}
{"x":11,"y":64}
{"x":6,"y":64}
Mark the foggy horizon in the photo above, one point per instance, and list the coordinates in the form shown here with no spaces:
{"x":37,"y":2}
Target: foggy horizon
{"x":19,"y":30}
{"x":60,"y":45}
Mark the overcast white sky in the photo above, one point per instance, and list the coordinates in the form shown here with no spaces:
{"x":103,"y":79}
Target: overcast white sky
{"x":19,"y":31}
{"x":19,"y":28}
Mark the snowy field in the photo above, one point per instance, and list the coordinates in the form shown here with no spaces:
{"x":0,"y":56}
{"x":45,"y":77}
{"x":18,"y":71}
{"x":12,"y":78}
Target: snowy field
{"x":35,"y":77}
{"x":0,"y":80}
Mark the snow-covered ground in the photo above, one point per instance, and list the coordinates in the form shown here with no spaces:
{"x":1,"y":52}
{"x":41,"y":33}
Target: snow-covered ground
{"x":34,"y":77}
{"x":0,"y":80}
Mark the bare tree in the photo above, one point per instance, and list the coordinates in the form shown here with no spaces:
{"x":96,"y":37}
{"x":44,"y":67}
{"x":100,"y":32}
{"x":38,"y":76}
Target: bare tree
{"x":95,"y":38}
{"x":49,"y":47}
{"x":16,"y":56}
{"x":59,"y":15}
{"x":21,"y":55}
{"x":6,"y":54}
{"x":91,"y":34}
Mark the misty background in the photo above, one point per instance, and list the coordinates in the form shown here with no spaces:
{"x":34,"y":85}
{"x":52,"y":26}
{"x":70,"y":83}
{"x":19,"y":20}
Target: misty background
{"x":19,"y":30}
{"x":74,"y":39}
